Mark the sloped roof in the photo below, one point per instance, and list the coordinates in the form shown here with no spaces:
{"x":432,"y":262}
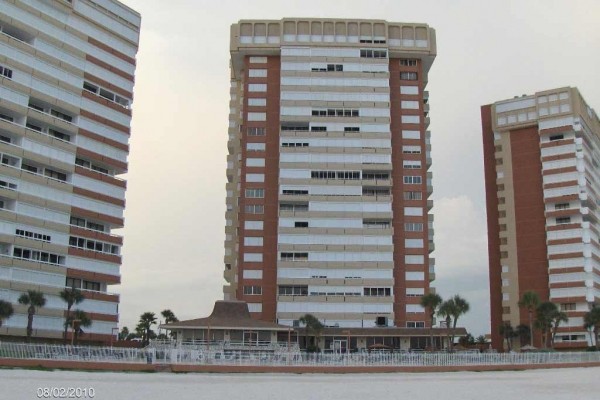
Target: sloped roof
{"x":226,"y":315}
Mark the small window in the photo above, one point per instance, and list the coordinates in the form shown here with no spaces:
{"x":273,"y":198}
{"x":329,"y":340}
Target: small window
{"x":556,"y":137}
{"x":408,"y":76}
{"x":301,"y":224}
{"x":563,"y":220}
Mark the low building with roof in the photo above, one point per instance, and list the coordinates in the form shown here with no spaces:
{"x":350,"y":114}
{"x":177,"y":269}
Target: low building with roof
{"x":231,"y":327}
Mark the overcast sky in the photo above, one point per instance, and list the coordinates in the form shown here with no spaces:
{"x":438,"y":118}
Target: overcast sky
{"x":487,"y":51}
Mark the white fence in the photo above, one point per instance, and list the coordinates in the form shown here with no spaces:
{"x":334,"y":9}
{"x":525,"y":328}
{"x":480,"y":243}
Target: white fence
{"x":252,"y":356}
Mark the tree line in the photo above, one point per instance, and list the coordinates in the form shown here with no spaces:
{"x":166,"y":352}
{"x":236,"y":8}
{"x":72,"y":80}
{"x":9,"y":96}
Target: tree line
{"x":143,"y":329}
{"x":546,"y":317}
{"x":34,"y":300}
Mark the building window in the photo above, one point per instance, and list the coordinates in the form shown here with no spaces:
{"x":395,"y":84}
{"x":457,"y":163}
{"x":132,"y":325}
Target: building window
{"x":556,"y":137}
{"x":59,"y":135}
{"x":257,"y":87}
{"x":256,"y":131}
{"x":563,"y":220}
{"x":258,"y":60}
{"x":413,"y":180}
{"x":301,"y":224}
{"x":374,"y":224}
{"x":257,"y":73}
{"x":294,"y":144}
{"x":408,"y":76}
{"x":8,"y":185}
{"x":568,"y":307}
{"x":411,"y":149}
{"x":253,"y":241}
{"x":415,"y":324}
{"x":55,"y":174}
{"x":293,"y":207}
{"x":255,"y":193}
{"x":329,"y":68}
{"x":377,"y":292}
{"x":88,"y":285}
{"x":376,"y":176}
{"x":368,"y":53}
{"x":255,"y":146}
{"x":413,"y":227}
{"x":342,"y":175}
{"x":411,"y":164}
{"x":413,"y":195}
{"x":93,"y":245}
{"x":6,"y":72}
{"x":32,"y":235}
{"x":336,"y":112}
{"x":290,"y":192}
{"x":294,"y":256}
{"x":318,"y":129}
{"x":106,"y":94}
{"x":299,"y":290}
{"x":78,"y":221}
{"x":255,"y":177}
{"x":38,"y":256}
{"x":254,"y":209}
{"x":562,"y":206}
{"x":73,"y":283}
{"x":408,"y":62}
{"x":252,"y":290}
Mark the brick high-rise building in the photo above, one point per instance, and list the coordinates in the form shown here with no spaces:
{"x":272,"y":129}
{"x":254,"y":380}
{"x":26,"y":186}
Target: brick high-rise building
{"x":328,"y":182}
{"x":542,"y":178}
{"x":66,"y":85}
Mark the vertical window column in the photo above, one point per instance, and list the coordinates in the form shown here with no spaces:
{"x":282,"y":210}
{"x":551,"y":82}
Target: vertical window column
{"x":252,"y":171}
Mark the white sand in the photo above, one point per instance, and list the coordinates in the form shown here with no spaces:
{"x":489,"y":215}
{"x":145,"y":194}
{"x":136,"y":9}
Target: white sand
{"x":571,"y":384}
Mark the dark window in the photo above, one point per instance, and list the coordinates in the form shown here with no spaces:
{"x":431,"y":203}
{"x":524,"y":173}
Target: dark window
{"x":301,"y":224}
{"x":6,"y":72}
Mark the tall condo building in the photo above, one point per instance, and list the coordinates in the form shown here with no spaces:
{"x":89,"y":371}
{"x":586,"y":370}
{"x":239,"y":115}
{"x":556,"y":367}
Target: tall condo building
{"x":542,"y":180}
{"x":66,"y":82}
{"x":328,"y":182}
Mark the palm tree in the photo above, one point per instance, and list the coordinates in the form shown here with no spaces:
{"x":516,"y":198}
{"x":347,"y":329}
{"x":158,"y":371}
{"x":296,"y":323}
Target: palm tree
{"x":557,"y":318}
{"x":548,"y":320}
{"x":6,"y":311}
{"x":507,"y":332}
{"x":530,"y":300}
{"x":461,"y":307}
{"x":523,"y":333}
{"x":314,"y":326}
{"x":71,"y":296}
{"x":431,"y":301}
{"x":169,"y":316}
{"x":592,"y":321}
{"x":78,"y":319}
{"x":445,"y":311}
{"x":34,"y":299}
{"x":124,"y":333}
{"x":147,"y":319}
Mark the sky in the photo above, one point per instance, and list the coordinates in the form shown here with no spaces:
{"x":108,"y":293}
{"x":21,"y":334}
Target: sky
{"x":175,"y":215}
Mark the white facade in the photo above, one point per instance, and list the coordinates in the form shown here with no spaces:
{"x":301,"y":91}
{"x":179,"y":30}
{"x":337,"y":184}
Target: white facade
{"x":66,"y":84}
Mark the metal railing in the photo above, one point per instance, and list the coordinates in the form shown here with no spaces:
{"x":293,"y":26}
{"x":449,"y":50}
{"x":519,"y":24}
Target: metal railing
{"x":253,"y":355}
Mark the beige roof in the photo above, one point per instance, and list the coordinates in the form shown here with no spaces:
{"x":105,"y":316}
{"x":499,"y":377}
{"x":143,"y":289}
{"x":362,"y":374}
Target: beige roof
{"x":227,"y":315}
